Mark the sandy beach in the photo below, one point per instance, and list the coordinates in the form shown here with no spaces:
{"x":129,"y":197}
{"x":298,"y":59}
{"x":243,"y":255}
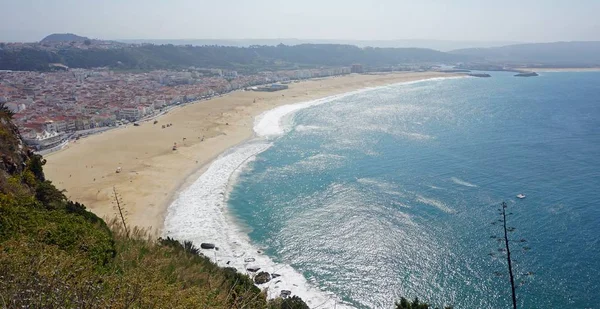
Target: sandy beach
{"x":152,"y":172}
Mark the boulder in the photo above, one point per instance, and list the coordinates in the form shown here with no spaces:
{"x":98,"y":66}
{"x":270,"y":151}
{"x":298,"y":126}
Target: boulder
{"x":206,"y":245}
{"x":285,"y":293}
{"x":253,"y":269}
{"x":262,"y":277}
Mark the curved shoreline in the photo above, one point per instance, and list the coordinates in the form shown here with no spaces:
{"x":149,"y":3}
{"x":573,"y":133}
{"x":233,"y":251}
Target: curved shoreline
{"x":189,"y":179}
{"x":200,"y":212}
{"x":152,"y":174}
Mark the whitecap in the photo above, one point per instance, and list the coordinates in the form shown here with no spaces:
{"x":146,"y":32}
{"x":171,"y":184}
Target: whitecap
{"x":415,"y":136}
{"x":435,"y":203}
{"x":303,"y":128}
{"x":461,"y":182}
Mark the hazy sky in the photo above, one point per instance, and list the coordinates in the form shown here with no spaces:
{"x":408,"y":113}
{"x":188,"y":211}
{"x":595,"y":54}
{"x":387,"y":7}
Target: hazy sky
{"x":477,"y":20}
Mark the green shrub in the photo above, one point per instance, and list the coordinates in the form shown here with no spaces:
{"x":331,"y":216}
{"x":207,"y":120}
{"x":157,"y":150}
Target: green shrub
{"x":293,"y":302}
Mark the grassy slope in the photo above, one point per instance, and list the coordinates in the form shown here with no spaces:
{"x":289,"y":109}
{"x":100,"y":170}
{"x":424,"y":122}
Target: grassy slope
{"x":54,"y":253}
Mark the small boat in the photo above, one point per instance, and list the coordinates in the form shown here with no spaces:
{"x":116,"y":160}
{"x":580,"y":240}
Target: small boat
{"x":521,"y":195}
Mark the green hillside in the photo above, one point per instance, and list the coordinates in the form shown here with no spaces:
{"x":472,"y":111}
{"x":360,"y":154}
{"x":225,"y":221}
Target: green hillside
{"x":243,"y":59}
{"x":556,"y":54}
{"x":56,"y":254}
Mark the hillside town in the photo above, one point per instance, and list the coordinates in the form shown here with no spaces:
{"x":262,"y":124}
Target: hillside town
{"x":52,"y":107}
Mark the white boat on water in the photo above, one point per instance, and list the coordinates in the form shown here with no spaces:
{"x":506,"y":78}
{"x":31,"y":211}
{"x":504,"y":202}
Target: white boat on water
{"x":521,"y":195}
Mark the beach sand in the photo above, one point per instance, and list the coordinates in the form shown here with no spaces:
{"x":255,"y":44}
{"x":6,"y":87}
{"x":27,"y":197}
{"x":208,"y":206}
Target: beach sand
{"x":152,"y":173}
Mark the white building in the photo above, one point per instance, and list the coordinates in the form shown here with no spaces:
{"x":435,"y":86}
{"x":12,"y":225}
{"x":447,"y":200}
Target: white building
{"x":130,"y":113}
{"x":15,"y":107}
{"x":44,"y":140}
{"x":230,"y":74}
{"x":303,"y":74}
{"x":60,"y":126}
{"x":160,"y":104}
{"x":50,"y":126}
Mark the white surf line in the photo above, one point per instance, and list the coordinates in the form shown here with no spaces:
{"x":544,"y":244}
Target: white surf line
{"x":461,"y":182}
{"x":269,"y":124}
{"x":200,"y":213}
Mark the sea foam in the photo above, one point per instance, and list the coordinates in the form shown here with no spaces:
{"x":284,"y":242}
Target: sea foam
{"x":461,"y":182}
{"x":272,"y":122}
{"x":435,"y":203}
{"x":200,"y":214}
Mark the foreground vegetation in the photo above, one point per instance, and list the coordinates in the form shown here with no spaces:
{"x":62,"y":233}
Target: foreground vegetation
{"x":56,"y":254}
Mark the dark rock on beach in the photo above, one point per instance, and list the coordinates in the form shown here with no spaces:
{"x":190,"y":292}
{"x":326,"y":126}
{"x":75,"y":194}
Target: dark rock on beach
{"x":206,"y":245}
{"x":262,"y":277}
{"x":285,"y":293}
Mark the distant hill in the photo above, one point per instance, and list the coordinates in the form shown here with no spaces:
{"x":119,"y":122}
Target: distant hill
{"x":63,"y":37}
{"x":441,"y":45}
{"x":558,"y":54}
{"x":243,"y":59}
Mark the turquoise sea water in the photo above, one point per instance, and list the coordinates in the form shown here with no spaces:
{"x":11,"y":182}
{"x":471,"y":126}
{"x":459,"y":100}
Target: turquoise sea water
{"x":392,"y":192}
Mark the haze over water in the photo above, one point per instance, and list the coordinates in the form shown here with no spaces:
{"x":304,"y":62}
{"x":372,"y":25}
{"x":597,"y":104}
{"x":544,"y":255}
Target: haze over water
{"x":391,"y":192}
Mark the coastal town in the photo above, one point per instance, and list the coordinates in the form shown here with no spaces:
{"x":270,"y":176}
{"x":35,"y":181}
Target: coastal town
{"x":52,"y":107}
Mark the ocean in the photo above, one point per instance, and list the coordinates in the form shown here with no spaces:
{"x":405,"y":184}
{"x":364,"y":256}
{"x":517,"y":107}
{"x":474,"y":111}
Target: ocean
{"x":359,"y":199}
